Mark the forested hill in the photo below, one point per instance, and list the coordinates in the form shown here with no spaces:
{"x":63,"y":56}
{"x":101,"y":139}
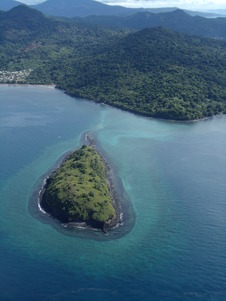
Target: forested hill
{"x":177,"y":20}
{"x":24,"y":18}
{"x":155,"y":72}
{"x":30,"y":39}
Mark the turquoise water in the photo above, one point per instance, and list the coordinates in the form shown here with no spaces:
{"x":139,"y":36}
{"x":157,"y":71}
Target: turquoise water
{"x":173,"y":243}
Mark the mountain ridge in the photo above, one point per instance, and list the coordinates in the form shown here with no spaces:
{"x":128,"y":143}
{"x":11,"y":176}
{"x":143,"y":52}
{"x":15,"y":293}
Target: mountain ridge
{"x":83,"y":8}
{"x":154,"y":72}
{"x":177,"y":20}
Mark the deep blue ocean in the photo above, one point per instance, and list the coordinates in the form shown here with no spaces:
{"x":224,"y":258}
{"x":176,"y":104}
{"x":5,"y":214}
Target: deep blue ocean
{"x":171,"y":178}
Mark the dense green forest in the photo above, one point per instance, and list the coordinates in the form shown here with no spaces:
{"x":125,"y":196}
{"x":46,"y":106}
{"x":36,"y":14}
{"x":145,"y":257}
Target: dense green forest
{"x":154,"y":72}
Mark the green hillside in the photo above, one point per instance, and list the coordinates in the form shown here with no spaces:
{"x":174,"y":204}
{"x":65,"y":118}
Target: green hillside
{"x":30,"y":40}
{"x":78,"y":192}
{"x":155,"y":72}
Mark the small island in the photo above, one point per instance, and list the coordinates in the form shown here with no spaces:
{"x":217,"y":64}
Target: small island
{"x":80,"y":191}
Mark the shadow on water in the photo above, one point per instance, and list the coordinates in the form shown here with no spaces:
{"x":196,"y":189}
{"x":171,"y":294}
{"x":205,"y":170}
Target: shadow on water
{"x":127,"y":211}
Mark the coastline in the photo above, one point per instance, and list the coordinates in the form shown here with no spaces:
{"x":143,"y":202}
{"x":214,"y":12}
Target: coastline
{"x":131,"y":111}
{"x":54,"y":86}
{"x":113,"y":223}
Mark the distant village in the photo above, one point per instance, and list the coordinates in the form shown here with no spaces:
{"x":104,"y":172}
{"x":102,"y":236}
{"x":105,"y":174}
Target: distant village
{"x":14,"y":76}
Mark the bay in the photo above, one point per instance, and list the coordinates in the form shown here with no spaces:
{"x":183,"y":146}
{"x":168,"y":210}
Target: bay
{"x":171,"y":177}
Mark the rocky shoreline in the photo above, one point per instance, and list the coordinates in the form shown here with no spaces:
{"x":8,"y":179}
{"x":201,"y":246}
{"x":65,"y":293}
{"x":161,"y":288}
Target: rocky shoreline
{"x":105,"y":227}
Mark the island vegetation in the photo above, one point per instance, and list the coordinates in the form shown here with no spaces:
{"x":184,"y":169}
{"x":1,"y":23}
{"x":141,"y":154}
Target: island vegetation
{"x":154,"y":72}
{"x":79,"y":192}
